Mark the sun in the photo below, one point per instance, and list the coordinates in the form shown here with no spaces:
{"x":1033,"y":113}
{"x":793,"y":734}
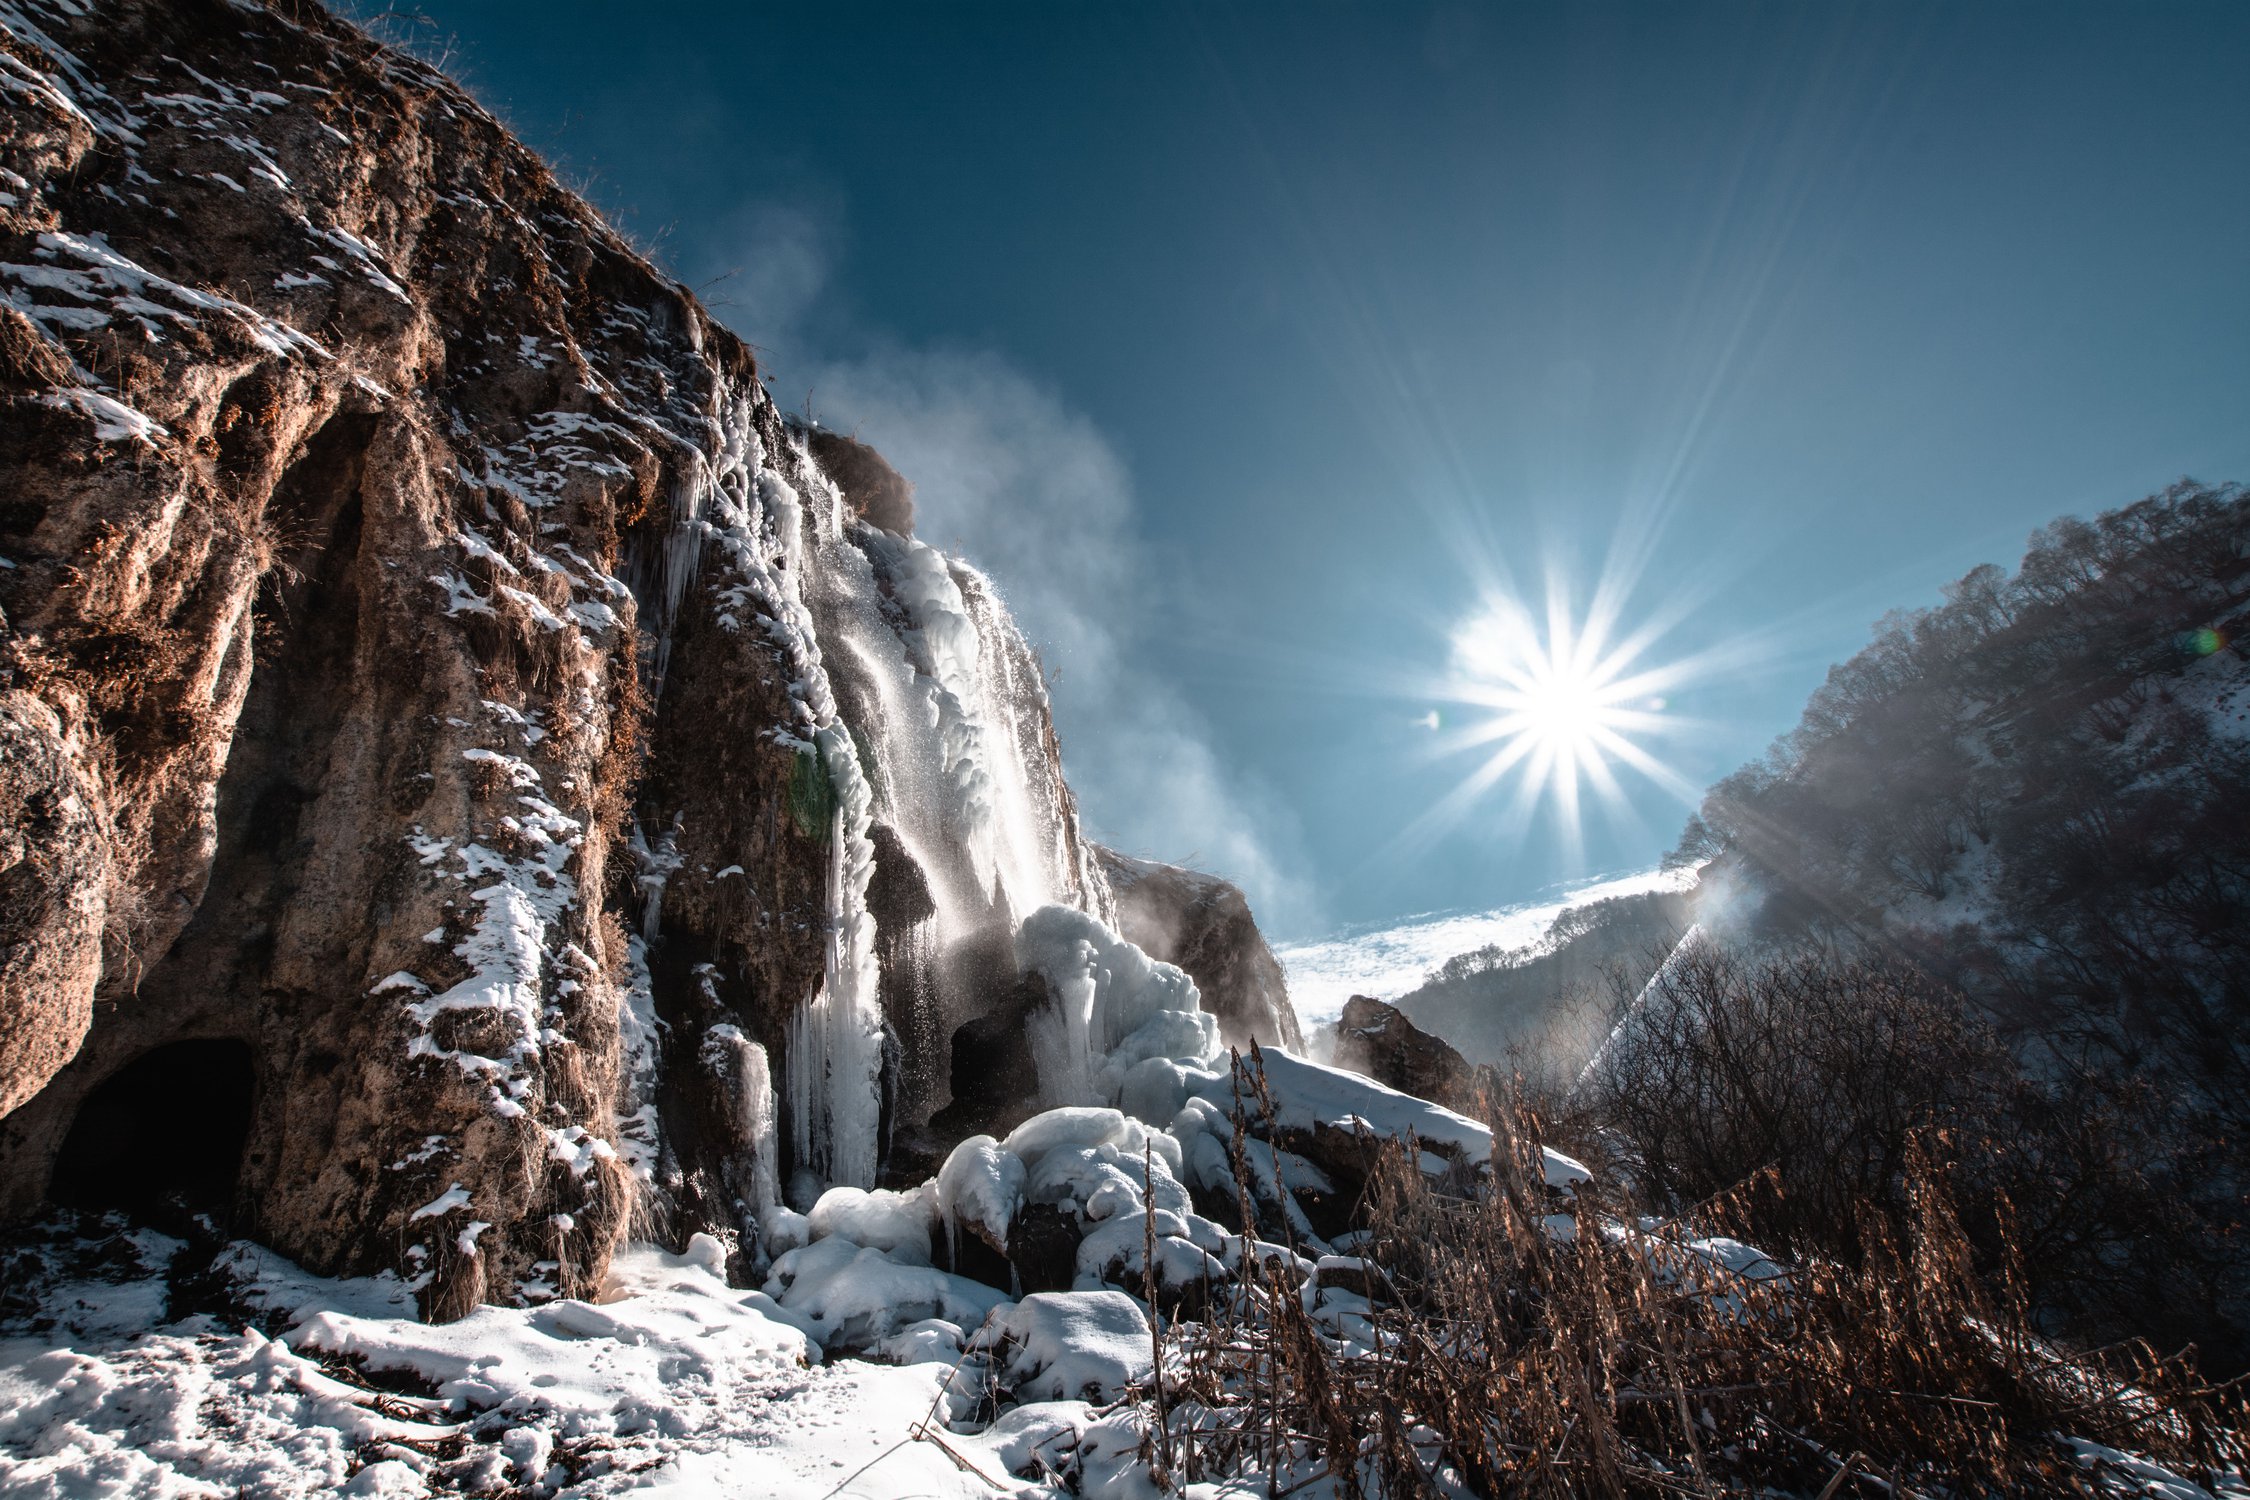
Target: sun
{"x":1551,"y":695}
{"x":1560,"y":704}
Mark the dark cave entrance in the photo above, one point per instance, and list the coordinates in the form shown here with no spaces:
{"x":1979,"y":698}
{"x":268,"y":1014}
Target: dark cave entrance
{"x":162,"y":1134}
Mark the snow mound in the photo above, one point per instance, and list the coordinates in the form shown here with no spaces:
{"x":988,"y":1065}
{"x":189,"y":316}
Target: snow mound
{"x":854,"y":1297}
{"x":583,"y":1368}
{"x":1055,"y":1346}
{"x":896,"y":1223}
{"x":981,"y":1186}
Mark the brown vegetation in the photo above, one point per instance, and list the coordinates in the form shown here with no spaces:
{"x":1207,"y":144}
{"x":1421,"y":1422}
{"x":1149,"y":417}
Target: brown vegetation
{"x":1512,"y":1350}
{"x":1803,"y":1084}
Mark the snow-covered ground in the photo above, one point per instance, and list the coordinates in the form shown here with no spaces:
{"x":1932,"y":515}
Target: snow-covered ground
{"x":1387,"y":962}
{"x":674,"y":1384}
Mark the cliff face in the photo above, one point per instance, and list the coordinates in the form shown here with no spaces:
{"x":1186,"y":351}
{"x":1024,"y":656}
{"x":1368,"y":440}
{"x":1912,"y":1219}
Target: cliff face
{"x":468,"y":777}
{"x":383,"y":536}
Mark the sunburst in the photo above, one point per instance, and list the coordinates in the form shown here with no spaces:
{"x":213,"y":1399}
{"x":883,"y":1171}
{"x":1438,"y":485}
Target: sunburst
{"x":1560,"y":703}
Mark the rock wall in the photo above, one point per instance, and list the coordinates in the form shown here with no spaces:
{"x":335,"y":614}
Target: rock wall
{"x":447,"y":718}
{"x":394,"y":596}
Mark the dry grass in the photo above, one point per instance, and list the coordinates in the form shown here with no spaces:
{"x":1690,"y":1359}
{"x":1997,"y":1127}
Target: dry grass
{"x":1520,"y":1351}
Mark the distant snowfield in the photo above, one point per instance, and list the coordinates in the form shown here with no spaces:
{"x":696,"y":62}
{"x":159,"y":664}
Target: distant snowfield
{"x":1387,"y":962}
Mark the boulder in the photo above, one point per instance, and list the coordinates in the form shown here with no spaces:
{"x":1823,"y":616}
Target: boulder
{"x":1378,"y":1040}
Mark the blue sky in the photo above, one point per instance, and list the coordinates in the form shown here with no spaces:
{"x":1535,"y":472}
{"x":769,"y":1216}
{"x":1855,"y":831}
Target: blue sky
{"x":1253,"y":348}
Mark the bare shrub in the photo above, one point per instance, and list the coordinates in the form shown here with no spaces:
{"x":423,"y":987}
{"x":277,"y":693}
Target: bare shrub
{"x":1800,"y":1084}
{"x":1813,"y":1072}
{"x":1517,"y":1347}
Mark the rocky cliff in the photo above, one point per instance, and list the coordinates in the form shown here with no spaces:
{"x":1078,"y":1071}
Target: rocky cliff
{"x":462,"y":757}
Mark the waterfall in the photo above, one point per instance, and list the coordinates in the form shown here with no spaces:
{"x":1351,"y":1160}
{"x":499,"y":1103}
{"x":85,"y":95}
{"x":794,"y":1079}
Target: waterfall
{"x":967,"y":776}
{"x":736,"y":500}
{"x":955,"y":752}
{"x":968,"y":736}
{"x":1049,"y":862}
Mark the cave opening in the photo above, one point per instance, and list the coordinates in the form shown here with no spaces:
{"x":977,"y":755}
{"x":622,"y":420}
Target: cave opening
{"x":162,"y":1135}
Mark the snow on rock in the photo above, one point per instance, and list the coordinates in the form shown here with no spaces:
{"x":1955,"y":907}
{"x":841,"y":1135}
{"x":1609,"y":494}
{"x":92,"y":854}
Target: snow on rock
{"x":937,"y":1339}
{"x":509,"y":951}
{"x":980,"y":1187}
{"x":854,"y":1297}
{"x":582,"y":1368}
{"x":1086,"y":1345}
{"x":1308,"y":1095}
{"x":1117,"y":1252}
{"x":1070,"y":1125}
{"x":1100,"y":1182}
{"x":897,"y":1224}
{"x":1082,"y":1156}
{"x":1564,"y":1173}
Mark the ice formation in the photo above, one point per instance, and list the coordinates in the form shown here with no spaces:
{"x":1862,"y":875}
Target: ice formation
{"x":836,"y":1042}
{"x":1116,"y":1015}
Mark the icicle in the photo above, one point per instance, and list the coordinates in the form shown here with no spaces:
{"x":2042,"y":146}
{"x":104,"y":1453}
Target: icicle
{"x":836,"y":1041}
{"x":733,"y":1056}
{"x":757,"y":1123}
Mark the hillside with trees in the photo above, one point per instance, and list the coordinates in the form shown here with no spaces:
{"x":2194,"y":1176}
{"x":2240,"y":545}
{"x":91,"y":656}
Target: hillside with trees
{"x":1544,"y":1007}
{"x":2036,"y":789}
{"x":1991,"y":897}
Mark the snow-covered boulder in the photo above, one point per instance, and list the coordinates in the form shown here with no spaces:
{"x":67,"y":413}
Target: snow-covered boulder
{"x":980,"y":1189}
{"x":1055,"y":1346}
{"x":898,"y":1224}
{"x":855,"y":1298}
